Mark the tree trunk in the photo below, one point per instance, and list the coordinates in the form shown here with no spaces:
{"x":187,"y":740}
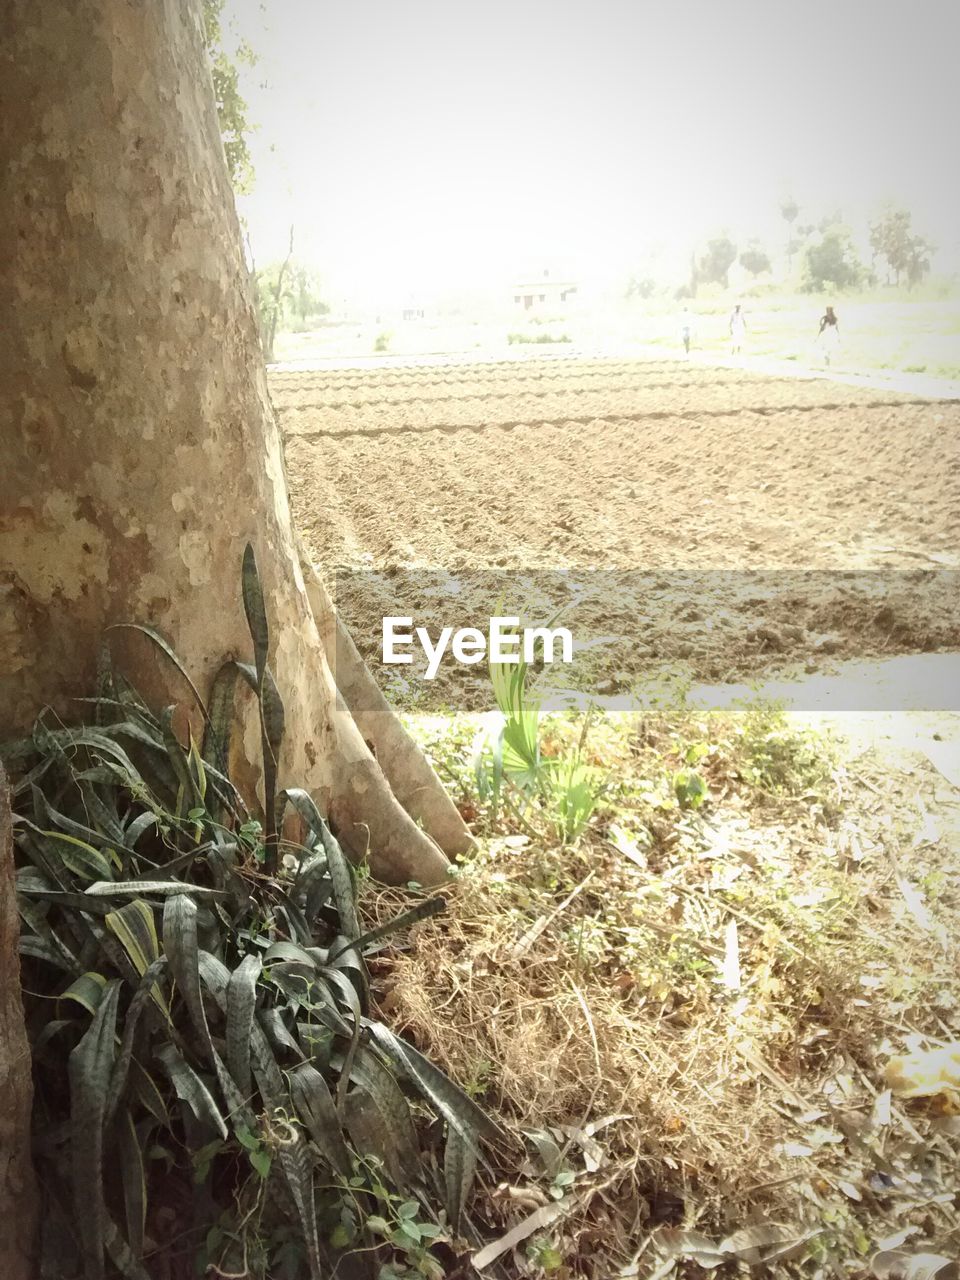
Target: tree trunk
{"x":143,"y":453}
{"x":18,"y":1206}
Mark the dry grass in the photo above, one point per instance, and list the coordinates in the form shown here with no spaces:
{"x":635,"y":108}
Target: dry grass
{"x":564,"y":987}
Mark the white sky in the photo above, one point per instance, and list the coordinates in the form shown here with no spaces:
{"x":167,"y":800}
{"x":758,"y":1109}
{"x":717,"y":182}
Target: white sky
{"x":417,"y":144}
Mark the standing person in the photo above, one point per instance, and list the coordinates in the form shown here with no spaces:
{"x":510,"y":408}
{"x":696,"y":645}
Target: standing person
{"x":738,"y":328}
{"x":686,"y":330}
{"x":828,"y":334}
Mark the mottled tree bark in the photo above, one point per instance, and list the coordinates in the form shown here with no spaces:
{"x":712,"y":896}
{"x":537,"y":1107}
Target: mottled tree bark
{"x":142,"y":451}
{"x":18,"y":1205}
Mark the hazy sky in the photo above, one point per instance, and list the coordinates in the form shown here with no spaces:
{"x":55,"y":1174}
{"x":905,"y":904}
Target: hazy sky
{"x":415,"y":143}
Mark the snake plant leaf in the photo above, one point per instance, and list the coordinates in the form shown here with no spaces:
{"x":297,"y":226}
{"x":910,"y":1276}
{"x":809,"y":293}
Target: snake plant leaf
{"x":121,"y":1255}
{"x":277,"y":1031}
{"x":86,"y":862}
{"x":111,"y":837}
{"x":134,"y":926}
{"x":297,"y":1165}
{"x":169,"y":652}
{"x":147,"y":989}
{"x":39,"y":949}
{"x":182,"y":948}
{"x":104,"y":814}
{"x":49,"y":1030}
{"x":378,"y":1080}
{"x":353,"y":968}
{"x":284,"y":950}
{"x":315,"y":1106}
{"x":140,"y":824}
{"x":88,"y":1070}
{"x":76,"y":901}
{"x":421,"y":911}
{"x":190,"y":1089}
{"x":218,"y":732}
{"x":241,"y":1008}
{"x":197,"y":770}
{"x":216,"y":978}
{"x":32,"y":777}
{"x":459,"y":1110}
{"x":274,"y":716}
{"x":35,"y":917}
{"x":268,"y":698}
{"x":338,"y":867}
{"x":459,"y":1171}
{"x":178,"y":759}
{"x":87,"y":991}
{"x":143,"y":1087}
{"x":368,"y":1133}
{"x":160,"y":888}
{"x":254,"y":608}
{"x":134,"y":1182}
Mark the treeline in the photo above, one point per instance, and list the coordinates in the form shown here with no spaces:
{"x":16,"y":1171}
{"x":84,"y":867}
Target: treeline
{"x":825,"y":251}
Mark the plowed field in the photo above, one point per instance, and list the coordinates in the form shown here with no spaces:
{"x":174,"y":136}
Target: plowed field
{"x":716,"y":517}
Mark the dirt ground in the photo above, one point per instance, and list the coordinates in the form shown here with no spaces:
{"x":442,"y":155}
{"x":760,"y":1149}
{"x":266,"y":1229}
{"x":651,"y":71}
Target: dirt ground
{"x":732,"y":522}
{"x":726,"y":526}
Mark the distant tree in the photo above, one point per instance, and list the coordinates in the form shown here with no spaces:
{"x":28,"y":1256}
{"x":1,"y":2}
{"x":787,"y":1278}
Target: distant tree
{"x":304,"y":293}
{"x":754,"y":259}
{"x":641,"y":287}
{"x":714,"y":267}
{"x":918,"y":260}
{"x":892,"y":238}
{"x":271,"y":290}
{"x":694,"y":281}
{"x":832,"y":260}
{"x":789,"y":210}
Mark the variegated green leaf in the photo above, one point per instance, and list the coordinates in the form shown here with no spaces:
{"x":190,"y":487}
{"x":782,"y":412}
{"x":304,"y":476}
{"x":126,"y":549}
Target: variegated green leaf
{"x":315,"y":1106}
{"x":451,"y":1102}
{"x":241,"y":1008}
{"x":339,"y":869}
{"x":87,"y":991}
{"x":159,"y":888}
{"x":81,"y":858}
{"x":134,"y":925}
{"x":459,"y":1170}
{"x":182,"y":948}
{"x":135,"y":928}
{"x":190,"y":1089}
{"x":148,"y":988}
{"x":169,"y":652}
{"x":134,"y":1182}
{"x":88,"y":1069}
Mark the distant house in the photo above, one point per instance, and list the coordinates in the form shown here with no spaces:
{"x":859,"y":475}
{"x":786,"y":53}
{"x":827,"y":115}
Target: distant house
{"x":542,"y":292}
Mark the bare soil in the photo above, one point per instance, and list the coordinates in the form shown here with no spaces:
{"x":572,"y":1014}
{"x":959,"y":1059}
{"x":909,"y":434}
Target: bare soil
{"x":732,"y":522}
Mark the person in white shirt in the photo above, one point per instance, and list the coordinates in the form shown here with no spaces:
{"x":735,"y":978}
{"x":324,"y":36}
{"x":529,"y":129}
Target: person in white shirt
{"x":686,"y":330}
{"x":829,"y":334}
{"x":738,"y":329}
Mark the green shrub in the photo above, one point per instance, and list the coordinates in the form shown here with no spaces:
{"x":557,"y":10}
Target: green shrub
{"x":536,"y":339}
{"x":207,"y":1071}
{"x":565,"y":789}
